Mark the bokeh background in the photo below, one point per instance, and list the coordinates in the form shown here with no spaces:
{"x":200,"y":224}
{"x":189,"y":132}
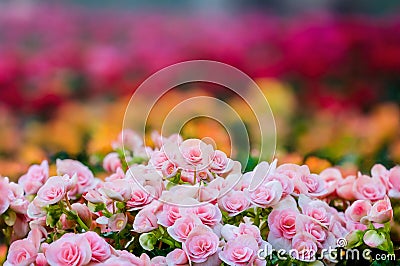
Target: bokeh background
{"x":330,"y":70}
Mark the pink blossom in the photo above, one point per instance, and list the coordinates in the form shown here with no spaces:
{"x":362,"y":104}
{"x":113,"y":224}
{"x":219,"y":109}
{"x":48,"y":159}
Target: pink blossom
{"x":369,"y":188}
{"x":373,"y":239}
{"x":128,"y":139}
{"x":316,"y":186}
{"x":234,"y":203}
{"x":332,"y":178}
{"x":21,"y":252}
{"x":313,"y":227}
{"x":201,"y":244}
{"x":169,"y":215}
{"x":230,"y":232}
{"x":119,"y":174}
{"x":344,"y":188}
{"x":304,"y":247}
{"x":157,"y":159}
{"x":145,"y":221}
{"x":140,"y":197}
{"x":286,"y":182}
{"x":358,"y":210}
{"x":316,"y":209}
{"x":159,"y":261}
{"x":182,"y":227}
{"x":208,"y":213}
{"x":169,"y":169}
{"x":394,"y":182}
{"x":52,"y":192}
{"x":111,"y":162}
{"x":117,"y":222}
{"x":41,"y":260}
{"x":177,"y":257}
{"x":119,"y":190}
{"x":266,"y":195}
{"x":101,"y":250}
{"x":85,"y":178}
{"x":4,"y":200}
{"x":94,"y":196}
{"x":34,"y":178}
{"x":83,"y":212}
{"x":240,"y":251}
{"x":381,"y":212}
{"x":220,"y":162}
{"x":282,"y":224}
{"x":70,"y":249}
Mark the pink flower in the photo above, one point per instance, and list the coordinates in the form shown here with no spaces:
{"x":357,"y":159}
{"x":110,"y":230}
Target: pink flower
{"x":94,"y":196}
{"x":145,"y":221}
{"x":344,"y":188}
{"x":316,"y":209}
{"x":394,"y":182}
{"x":381,"y":212}
{"x":169,"y":215}
{"x":208,"y":213}
{"x":286,"y":182}
{"x":234,"y":203}
{"x":119,"y":190}
{"x":83,"y":212}
{"x":101,"y":250}
{"x":140,"y":197}
{"x":332,"y":178}
{"x":177,"y":257}
{"x":34,"y":178}
{"x":52,"y":192}
{"x":111,"y":162}
{"x":41,"y":260}
{"x":85,"y":178}
{"x":119,"y":174}
{"x":313,"y":227}
{"x":358,"y":210}
{"x":128,"y":139}
{"x":304,"y":247}
{"x":169,"y":169}
{"x":230,"y":232}
{"x":220,"y":163}
{"x":182,"y":227}
{"x":266,"y":195}
{"x":316,"y":186}
{"x":70,"y":249}
{"x":159,"y":261}
{"x":240,"y":251}
{"x":157,"y":159}
{"x":369,"y":188}
{"x":117,"y":222}
{"x":282,"y":224}
{"x":21,"y":252}
{"x":4,"y":200}
{"x":201,"y":244}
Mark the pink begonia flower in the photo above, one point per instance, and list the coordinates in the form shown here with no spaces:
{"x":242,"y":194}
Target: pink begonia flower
{"x":266,"y":195}
{"x":4,"y":200}
{"x":119,"y":190}
{"x":234,"y":202}
{"x":240,"y":251}
{"x":208,"y":194}
{"x":128,"y":139}
{"x":70,"y":249}
{"x":51,"y":192}
{"x":111,"y":162}
{"x":159,"y":140}
{"x":201,"y":243}
{"x":101,"y":250}
{"x":177,"y":257}
{"x":230,"y":232}
{"x":316,"y":209}
{"x":117,"y":222}
{"x":380,"y":172}
{"x":344,"y":188}
{"x":129,"y":259}
{"x":158,"y":261}
{"x":286,"y":182}
{"x":34,"y":178}
{"x":373,"y":239}
{"x":394,"y":182}
{"x":332,"y":178}
{"x":140,"y":197}
{"x":85,"y":178}
{"x":169,"y":214}
{"x":337,"y":226}
{"x":119,"y":174}
{"x":35,"y":210}
{"x":304,"y":247}
{"x":21,"y":252}
{"x":309,"y":225}
{"x":157,"y":159}
{"x":358,"y":210}
{"x":282,"y":224}
{"x":369,"y":188}
{"x":295,"y":173}
{"x":208,"y":213}
{"x":94,"y":196}
{"x":183,"y":226}
{"x":41,"y":260}
{"x":381,"y":212}
{"x":220,"y":163}
{"x":169,"y":169}
{"x":252,"y":180}
{"x":145,"y":221}
{"x":316,"y":186}
{"x":195,"y":152}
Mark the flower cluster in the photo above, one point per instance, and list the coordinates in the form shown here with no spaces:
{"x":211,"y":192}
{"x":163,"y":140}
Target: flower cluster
{"x":182,"y":202}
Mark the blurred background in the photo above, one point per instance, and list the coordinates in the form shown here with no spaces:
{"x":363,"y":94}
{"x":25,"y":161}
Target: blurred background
{"x":329,"y":69}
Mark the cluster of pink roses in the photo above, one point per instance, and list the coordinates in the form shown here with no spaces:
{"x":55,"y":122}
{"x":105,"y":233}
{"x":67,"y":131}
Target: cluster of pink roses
{"x":192,"y":205}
